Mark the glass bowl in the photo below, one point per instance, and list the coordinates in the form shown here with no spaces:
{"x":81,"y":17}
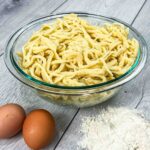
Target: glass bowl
{"x":82,"y":96}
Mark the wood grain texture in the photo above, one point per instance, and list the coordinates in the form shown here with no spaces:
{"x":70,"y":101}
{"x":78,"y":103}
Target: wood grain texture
{"x":142,"y":23}
{"x":18,"y":93}
{"x":16,"y":13}
{"x":124,"y":10}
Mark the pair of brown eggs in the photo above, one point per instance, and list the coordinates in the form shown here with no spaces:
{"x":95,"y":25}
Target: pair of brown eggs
{"x":38,"y":128}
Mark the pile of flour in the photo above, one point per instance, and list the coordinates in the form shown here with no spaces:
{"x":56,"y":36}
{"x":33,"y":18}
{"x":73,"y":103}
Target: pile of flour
{"x":115,"y":129}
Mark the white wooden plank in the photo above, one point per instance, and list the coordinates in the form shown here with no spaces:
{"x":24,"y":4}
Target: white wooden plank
{"x":142,"y":23}
{"x":15,"y":13}
{"x":125,"y":10}
{"x":129,"y":96}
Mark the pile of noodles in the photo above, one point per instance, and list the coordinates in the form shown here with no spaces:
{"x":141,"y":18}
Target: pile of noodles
{"x":72,"y":52}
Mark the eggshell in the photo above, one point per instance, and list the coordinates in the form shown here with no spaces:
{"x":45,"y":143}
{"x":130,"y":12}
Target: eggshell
{"x":11,"y":120}
{"x":39,"y":129}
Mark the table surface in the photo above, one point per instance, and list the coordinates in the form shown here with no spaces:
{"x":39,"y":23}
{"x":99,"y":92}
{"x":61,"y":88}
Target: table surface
{"x":134,"y":95}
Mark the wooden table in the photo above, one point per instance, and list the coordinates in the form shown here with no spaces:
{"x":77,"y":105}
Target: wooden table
{"x":15,"y":13}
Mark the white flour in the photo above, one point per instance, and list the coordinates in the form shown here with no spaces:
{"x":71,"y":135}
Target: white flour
{"x":115,"y":129}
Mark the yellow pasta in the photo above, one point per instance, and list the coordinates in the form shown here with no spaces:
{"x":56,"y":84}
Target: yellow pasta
{"x":72,"y":52}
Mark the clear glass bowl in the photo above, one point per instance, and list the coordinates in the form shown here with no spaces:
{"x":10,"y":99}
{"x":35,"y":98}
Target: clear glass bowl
{"x":82,"y":96}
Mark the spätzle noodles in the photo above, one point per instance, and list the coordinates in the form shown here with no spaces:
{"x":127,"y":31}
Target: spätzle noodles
{"x":72,"y":52}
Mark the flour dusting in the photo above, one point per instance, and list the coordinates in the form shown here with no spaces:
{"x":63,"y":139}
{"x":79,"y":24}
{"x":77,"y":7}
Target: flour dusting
{"x":115,"y":129}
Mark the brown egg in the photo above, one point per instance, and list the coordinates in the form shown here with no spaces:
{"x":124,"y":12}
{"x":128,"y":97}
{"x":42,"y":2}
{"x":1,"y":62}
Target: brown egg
{"x":11,"y":119}
{"x":39,"y":129}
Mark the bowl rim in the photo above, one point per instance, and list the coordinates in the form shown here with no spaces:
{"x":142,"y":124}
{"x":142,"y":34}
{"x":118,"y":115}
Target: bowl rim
{"x":30,"y":81}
